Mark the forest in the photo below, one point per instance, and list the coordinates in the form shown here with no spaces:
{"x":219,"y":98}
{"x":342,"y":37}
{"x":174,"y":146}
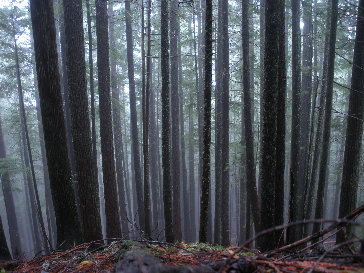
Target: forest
{"x":181,"y":135}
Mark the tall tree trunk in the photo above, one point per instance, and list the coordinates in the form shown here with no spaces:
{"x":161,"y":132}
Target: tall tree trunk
{"x":191,"y":149}
{"x":248,"y":128}
{"x":225,"y":229}
{"x":218,"y":89}
{"x":205,"y":177}
{"x":92,"y":86}
{"x":146,"y":95}
{"x":272,"y":119}
{"x":200,"y":97}
{"x":68,"y":226}
{"x":354,"y":129}
{"x":107,"y":148}
{"x":115,"y":91}
{"x":51,"y":219}
{"x":9,"y":203}
{"x":318,"y":136}
{"x":80,"y":123}
{"x":306,"y":90}
{"x":134,"y":117}
{"x":261,"y":70}
{"x":167,"y":189}
{"x":175,"y":138}
{"x":327,"y":117}
{"x":296,"y":188}
{"x":281,"y":126}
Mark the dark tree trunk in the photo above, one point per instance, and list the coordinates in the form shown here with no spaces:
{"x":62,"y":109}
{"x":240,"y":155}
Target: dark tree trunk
{"x":191,"y":149}
{"x":273,"y":118}
{"x":223,"y":121}
{"x":296,"y":188}
{"x":51,"y":219}
{"x":306,"y":90}
{"x":281,"y":126}
{"x":80,"y":123}
{"x":66,"y":100}
{"x":9,"y":203}
{"x":107,"y":148}
{"x":175,"y":138}
{"x":115,"y":91}
{"x":248,"y":128}
{"x":134,"y":117}
{"x":313,"y":114}
{"x":354,"y":129}
{"x":68,"y":227}
{"x":167,"y":189}
{"x":200,"y":94}
{"x":146,"y":95}
{"x":327,"y":117}
{"x":261,"y":70}
{"x":205,"y":177}
{"x":218,"y":89}
{"x":4,"y":250}
{"x":92,"y":86}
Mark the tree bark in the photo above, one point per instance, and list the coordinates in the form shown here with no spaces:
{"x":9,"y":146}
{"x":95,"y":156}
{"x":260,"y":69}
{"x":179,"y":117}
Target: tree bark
{"x":354,"y":129}
{"x":80,"y":123}
{"x":175,"y":138}
{"x":68,"y":227}
{"x":296,"y":188}
{"x":167,"y":189}
{"x":107,"y":148}
{"x":274,"y":83}
{"x":146,"y":98}
{"x":205,"y":177}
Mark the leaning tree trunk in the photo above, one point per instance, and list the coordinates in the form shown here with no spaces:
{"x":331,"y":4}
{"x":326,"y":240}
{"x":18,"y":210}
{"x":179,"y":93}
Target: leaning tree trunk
{"x":327,"y":117}
{"x":354,"y":129}
{"x":68,"y":226}
{"x":9,"y":203}
{"x":107,"y":148}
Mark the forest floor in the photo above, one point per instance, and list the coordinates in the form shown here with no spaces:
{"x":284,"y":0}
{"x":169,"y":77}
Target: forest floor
{"x":152,"y":256}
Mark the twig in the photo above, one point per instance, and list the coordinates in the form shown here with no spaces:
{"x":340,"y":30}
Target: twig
{"x":340,"y":223}
{"x":332,"y":249}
